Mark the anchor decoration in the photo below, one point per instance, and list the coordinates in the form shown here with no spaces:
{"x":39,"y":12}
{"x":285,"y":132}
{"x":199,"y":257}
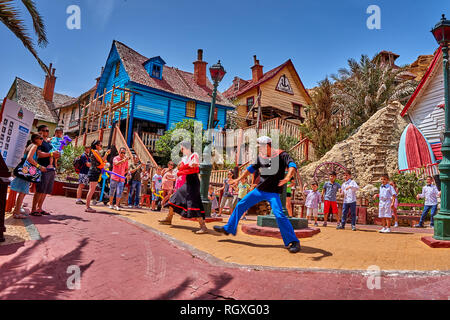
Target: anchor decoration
{"x":284,"y":85}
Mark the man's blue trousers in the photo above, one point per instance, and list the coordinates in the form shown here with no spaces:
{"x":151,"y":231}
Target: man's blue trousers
{"x":253,"y":198}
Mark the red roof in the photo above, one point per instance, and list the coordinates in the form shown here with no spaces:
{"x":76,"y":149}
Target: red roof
{"x":249,"y":84}
{"x":423,"y":81}
{"x":173,"y":80}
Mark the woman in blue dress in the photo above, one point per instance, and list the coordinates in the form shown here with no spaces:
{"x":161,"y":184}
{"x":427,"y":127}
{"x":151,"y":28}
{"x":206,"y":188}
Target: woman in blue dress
{"x":21,"y":186}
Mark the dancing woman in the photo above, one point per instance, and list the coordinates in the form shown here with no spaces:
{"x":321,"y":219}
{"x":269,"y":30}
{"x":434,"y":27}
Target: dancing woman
{"x":186,"y":201}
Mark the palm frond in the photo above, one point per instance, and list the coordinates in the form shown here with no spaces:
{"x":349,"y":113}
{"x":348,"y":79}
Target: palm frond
{"x":38,"y":22}
{"x":9,"y":16}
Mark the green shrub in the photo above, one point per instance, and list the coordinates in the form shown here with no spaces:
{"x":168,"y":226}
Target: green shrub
{"x":65,"y":163}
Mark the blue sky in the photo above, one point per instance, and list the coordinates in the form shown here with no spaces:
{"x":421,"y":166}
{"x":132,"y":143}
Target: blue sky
{"x":319,"y":36}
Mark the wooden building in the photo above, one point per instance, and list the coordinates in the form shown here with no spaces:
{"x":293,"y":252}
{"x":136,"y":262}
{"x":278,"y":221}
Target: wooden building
{"x":69,"y":114}
{"x":162,"y":95}
{"x":43,"y":102}
{"x":279,"y":93}
{"x":425,"y":109}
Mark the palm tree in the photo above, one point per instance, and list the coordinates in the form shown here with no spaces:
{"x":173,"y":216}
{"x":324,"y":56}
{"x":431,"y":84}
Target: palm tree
{"x":9,"y":15}
{"x":320,"y":126}
{"x":367,"y":86}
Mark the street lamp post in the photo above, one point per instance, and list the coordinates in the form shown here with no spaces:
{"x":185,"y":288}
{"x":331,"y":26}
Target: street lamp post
{"x":441,"y":33}
{"x":217,"y":73}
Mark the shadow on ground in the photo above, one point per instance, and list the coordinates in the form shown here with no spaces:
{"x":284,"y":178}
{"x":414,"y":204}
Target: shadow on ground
{"x":43,"y":279}
{"x":194,"y":229}
{"x":219,"y":281}
{"x":305,"y":249}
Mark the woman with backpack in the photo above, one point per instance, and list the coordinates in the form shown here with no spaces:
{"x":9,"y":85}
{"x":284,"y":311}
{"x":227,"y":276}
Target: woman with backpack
{"x":29,"y":167}
{"x":82,"y":165}
{"x":97,"y":164}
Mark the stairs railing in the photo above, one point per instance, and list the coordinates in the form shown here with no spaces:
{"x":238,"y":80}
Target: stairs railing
{"x":120,"y":142}
{"x":142,"y":152}
{"x":301,"y":151}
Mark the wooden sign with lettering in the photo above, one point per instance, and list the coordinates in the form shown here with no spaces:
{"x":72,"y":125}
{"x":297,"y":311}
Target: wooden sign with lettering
{"x":284,"y":85}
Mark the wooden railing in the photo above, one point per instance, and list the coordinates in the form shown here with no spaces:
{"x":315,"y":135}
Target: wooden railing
{"x":218,"y":176}
{"x":106,"y":134}
{"x":301,"y":150}
{"x":423,"y":172}
{"x":120,"y":142}
{"x":149,"y":140}
{"x":90,"y":137}
{"x":142,"y":151}
{"x":290,"y":129}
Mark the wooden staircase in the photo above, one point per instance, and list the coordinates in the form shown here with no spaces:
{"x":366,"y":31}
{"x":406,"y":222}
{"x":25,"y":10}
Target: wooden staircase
{"x":382,"y":146}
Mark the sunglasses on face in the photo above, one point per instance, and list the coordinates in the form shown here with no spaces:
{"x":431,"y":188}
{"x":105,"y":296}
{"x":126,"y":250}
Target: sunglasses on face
{"x":122,"y":153}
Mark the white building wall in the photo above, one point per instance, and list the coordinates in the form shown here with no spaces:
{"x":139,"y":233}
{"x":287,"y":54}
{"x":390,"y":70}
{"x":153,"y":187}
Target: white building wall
{"x":425,"y":114}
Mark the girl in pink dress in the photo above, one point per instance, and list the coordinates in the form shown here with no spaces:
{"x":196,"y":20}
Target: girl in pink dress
{"x":168,"y":181}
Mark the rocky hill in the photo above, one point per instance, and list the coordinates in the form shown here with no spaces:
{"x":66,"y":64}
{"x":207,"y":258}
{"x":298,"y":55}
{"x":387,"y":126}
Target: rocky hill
{"x":420,"y":66}
{"x":371,"y":151}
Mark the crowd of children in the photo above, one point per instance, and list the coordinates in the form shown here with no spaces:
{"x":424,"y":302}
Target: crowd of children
{"x":387,"y":196}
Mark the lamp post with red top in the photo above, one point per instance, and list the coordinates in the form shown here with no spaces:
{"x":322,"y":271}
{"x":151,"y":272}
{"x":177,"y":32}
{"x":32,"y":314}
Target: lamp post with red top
{"x":441,"y":33}
{"x":217,"y":72}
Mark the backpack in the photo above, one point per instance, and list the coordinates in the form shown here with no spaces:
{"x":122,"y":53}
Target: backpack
{"x":78,"y":164}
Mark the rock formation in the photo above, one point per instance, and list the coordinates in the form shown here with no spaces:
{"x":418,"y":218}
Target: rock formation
{"x":371,"y":151}
{"x":420,"y":66}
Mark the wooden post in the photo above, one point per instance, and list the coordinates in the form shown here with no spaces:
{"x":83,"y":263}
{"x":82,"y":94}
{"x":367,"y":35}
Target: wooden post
{"x":84,"y":139}
{"x":81,"y":122}
{"x":100,"y":134}
{"x":110,"y":121}
{"x":128,"y":119}
{"x":307,"y":150}
{"x":4,"y":182}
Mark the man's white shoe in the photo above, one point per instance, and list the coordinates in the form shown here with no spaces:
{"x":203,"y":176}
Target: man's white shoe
{"x":111,"y":207}
{"x":130,"y":207}
{"x":388,"y":230}
{"x":382,"y":230}
{"x":396,"y":225}
{"x":117,"y":208}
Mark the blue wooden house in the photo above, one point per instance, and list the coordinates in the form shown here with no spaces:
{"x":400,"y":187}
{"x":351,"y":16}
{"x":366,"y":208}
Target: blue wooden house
{"x":166,"y":95}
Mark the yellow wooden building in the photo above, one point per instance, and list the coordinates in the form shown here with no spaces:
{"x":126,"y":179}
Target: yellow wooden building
{"x":279,"y":93}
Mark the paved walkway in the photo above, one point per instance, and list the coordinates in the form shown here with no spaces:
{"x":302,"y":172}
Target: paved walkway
{"x":120,"y":259}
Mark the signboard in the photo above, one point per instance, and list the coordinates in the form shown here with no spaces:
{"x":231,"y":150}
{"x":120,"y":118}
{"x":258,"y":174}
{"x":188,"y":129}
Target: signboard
{"x":284,"y":85}
{"x":15,"y":126}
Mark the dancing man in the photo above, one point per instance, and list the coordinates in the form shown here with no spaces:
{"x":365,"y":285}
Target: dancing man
{"x":272,"y":165}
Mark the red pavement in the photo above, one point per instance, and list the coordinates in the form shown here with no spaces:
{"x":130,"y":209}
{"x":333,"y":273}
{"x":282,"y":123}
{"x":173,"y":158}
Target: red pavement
{"x":121,"y":260}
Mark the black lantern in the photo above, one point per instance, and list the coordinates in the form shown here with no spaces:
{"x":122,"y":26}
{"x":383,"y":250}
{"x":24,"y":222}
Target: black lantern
{"x":441,"y":31}
{"x":217,"y":72}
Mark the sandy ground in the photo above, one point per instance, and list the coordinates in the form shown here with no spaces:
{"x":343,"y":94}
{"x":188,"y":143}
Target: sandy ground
{"x":330,"y":249}
{"x":15,"y":231}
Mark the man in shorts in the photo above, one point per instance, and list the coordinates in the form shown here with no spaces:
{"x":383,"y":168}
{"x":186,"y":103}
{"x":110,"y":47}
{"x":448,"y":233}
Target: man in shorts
{"x":83,"y":179}
{"x":45,"y":186}
{"x":329,"y":192}
{"x":120,"y":166}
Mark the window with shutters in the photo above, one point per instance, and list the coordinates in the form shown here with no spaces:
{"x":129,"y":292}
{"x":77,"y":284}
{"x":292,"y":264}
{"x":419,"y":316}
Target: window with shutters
{"x":190,"y":109}
{"x":250,"y":102}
